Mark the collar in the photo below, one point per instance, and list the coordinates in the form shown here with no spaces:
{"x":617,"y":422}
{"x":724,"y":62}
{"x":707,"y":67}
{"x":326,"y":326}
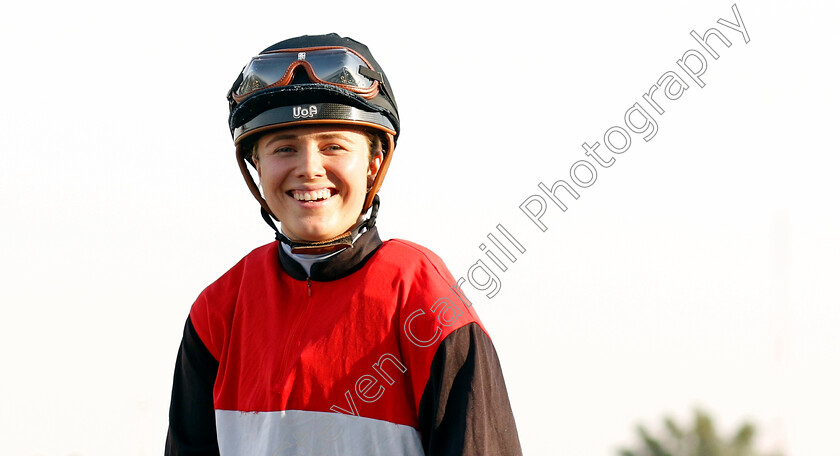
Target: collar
{"x":342,"y":264}
{"x":307,"y":260}
{"x":340,"y":242}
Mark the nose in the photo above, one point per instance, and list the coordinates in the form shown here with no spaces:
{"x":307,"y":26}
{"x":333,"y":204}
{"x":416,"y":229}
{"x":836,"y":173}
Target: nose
{"x":311,"y":164}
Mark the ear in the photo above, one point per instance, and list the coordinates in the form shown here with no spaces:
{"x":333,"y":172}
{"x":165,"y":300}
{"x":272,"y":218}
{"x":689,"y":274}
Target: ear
{"x":373,"y":168}
{"x":257,"y":166}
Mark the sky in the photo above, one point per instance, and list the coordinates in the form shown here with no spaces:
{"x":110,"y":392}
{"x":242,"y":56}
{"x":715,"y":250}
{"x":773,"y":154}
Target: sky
{"x":696,"y":268}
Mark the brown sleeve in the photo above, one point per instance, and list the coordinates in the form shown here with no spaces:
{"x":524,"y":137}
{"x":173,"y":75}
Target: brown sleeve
{"x":464,"y":410}
{"x":192,"y":416}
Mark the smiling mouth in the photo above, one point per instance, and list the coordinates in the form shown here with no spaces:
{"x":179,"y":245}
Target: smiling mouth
{"x":311,"y":195}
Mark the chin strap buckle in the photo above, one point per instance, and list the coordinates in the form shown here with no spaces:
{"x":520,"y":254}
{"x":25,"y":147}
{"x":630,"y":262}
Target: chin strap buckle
{"x":374,"y":210}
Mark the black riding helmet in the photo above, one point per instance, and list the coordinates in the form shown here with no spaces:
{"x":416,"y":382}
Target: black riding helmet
{"x":265,"y":106}
{"x":313,"y":79}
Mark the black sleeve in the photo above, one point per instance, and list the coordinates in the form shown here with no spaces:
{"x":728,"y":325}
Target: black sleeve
{"x":465,"y":409}
{"x":192,"y":417}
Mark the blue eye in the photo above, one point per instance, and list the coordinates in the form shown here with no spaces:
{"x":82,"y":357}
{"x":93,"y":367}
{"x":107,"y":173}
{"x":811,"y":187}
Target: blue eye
{"x":333,"y":147}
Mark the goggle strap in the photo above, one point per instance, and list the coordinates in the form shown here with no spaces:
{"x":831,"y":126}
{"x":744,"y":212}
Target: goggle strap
{"x":370,"y":74}
{"x":230,"y":99}
{"x":376,"y":76}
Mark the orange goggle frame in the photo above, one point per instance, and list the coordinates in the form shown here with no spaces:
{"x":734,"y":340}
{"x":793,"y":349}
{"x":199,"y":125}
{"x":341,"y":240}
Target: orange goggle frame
{"x":334,"y":65}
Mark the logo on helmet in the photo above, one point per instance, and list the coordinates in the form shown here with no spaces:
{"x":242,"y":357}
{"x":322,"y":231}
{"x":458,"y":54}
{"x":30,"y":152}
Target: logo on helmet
{"x":301,"y":112}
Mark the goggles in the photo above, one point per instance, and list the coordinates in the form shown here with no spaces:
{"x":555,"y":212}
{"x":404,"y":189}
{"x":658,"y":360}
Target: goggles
{"x":333,"y":65}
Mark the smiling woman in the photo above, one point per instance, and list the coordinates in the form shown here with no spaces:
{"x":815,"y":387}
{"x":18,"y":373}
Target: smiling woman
{"x":315,"y":178}
{"x":295,"y":332}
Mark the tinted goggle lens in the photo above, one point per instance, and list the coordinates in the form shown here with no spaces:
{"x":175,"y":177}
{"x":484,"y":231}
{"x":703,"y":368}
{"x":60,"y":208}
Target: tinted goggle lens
{"x":331,"y":66}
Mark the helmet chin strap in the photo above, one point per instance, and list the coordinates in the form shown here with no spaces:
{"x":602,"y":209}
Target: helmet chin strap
{"x":342,"y":241}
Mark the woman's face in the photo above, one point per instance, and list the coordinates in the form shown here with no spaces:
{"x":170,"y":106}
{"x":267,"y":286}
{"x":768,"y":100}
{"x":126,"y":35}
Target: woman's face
{"x":315,"y":178}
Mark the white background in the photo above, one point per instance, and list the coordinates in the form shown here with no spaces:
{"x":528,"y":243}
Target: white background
{"x":700,"y":270}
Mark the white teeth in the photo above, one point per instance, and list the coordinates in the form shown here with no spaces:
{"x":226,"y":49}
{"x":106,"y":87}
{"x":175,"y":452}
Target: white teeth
{"x":311,"y":195}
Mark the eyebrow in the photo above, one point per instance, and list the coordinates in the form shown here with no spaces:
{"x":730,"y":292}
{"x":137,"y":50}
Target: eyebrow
{"x":318,"y":136}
